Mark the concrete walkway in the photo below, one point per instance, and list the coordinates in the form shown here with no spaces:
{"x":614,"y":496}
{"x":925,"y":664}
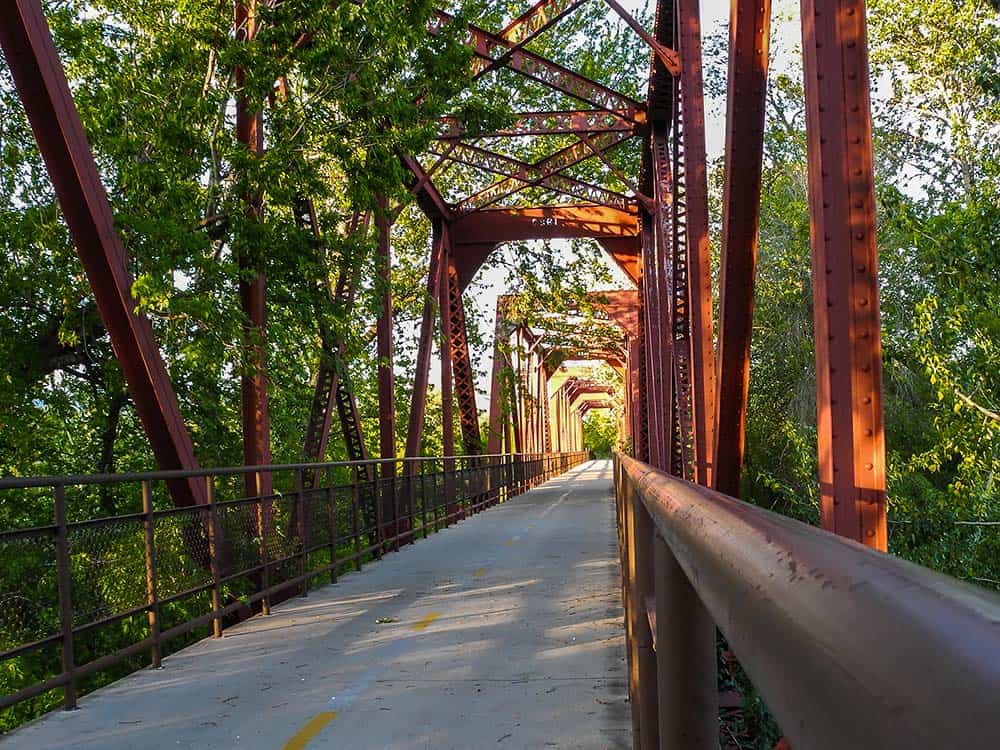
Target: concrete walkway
{"x":506,"y":632}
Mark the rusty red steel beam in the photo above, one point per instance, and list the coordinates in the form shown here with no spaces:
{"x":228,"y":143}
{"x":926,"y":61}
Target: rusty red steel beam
{"x":430,"y":200}
{"x":494,"y":440}
{"x":41,"y":84}
{"x":384,"y":343}
{"x":749,"y":38}
{"x":845,"y":271}
{"x":668,"y":57}
{"x":490,"y":47}
{"x":553,"y":123}
{"x":659,"y":337}
{"x":252,"y":284}
{"x":692,"y":112}
{"x":418,"y":402}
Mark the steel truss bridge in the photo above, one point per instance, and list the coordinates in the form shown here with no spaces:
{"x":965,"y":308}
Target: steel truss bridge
{"x":848,"y":646}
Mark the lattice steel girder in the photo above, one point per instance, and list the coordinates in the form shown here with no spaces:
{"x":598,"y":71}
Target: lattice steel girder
{"x":418,"y":403}
{"x":692,"y":109}
{"x":749,"y":36}
{"x":537,"y":19}
{"x":506,"y":166}
{"x":41,"y":84}
{"x":546,"y":173}
{"x":488,"y":48}
{"x":845,"y":271}
{"x":554,"y":123}
{"x":465,"y":382}
{"x":333,"y":365}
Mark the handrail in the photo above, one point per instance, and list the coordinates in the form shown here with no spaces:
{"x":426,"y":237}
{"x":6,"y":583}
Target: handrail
{"x":850,"y":648}
{"x":17,"y":483}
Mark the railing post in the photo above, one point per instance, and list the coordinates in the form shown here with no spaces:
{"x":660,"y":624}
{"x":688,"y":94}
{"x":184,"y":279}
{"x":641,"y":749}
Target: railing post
{"x":331,"y":518}
{"x":397,"y":521}
{"x":263,"y":524}
{"x":152,"y":600}
{"x":65,"y":598}
{"x":213,"y":557}
{"x":423,"y":496}
{"x":300,"y":518}
{"x":355,"y":512}
{"x":640,"y":528}
{"x":378,"y":490}
{"x":631,"y":647}
{"x":686,"y":659}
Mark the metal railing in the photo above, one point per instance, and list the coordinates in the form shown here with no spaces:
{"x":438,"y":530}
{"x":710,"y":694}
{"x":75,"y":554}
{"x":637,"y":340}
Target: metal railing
{"x":79,"y":597}
{"x":849,"y":648}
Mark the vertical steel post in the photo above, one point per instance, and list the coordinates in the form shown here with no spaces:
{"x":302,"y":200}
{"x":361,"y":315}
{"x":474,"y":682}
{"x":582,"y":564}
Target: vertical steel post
{"x":686,"y":661}
{"x":699,"y":252}
{"x":63,"y":576}
{"x":331,"y":520}
{"x":749,"y":36}
{"x":152,"y":600}
{"x":494,"y":444}
{"x":252,"y":284}
{"x":447,"y":401}
{"x":301,"y":530}
{"x":41,"y":84}
{"x":845,"y":271}
{"x":386,"y":385}
{"x":418,"y":404}
{"x":264,"y":532}
{"x":213,"y":557}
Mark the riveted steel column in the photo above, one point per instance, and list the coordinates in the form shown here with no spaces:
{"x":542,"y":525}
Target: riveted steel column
{"x":41,"y":83}
{"x":252,"y":284}
{"x":845,"y":273}
{"x":496,"y":413}
{"x":699,"y":252}
{"x":386,"y":384}
{"x":749,"y":33}
{"x":418,"y":403}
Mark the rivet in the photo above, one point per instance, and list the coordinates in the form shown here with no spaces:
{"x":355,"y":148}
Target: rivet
{"x":866,"y":400}
{"x":863,"y":303}
{"x":868,"y":433}
{"x":862,"y":268}
{"x":870,"y":533}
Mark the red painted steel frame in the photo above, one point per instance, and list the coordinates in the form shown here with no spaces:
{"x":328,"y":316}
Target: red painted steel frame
{"x":699,"y":252}
{"x":845,"y":274}
{"x":253,"y":302}
{"x":386,"y":385}
{"x":418,"y":403}
{"x":749,"y":34}
{"x":41,"y":83}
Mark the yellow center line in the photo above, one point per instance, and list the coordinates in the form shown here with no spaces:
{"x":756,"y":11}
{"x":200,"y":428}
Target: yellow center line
{"x":425,"y":621}
{"x":479,"y":573}
{"x":510,"y":542}
{"x":313,"y":727}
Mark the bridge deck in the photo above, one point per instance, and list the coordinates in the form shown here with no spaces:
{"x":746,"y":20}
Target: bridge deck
{"x":506,"y":632}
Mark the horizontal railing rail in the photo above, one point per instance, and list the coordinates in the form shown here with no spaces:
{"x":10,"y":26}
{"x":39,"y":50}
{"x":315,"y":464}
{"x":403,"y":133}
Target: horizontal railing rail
{"x":849,"y":647}
{"x":80,"y":596}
